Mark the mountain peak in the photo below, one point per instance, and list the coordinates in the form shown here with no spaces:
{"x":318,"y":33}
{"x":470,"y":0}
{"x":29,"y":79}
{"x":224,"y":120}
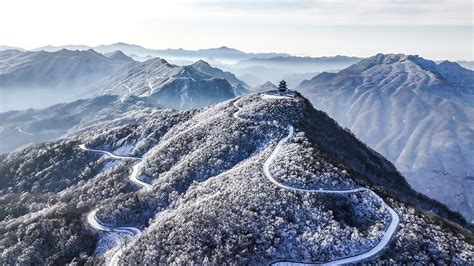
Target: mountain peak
{"x":65,"y":51}
{"x":223,"y":50}
{"x":419,"y":98}
{"x":118,"y":55}
{"x":382,"y":60}
{"x":123,"y":44}
{"x":265,"y":87}
{"x":450,"y":64}
{"x":47,"y":69}
{"x":400,"y":58}
{"x":201,"y":63}
{"x":390,"y":58}
{"x":204,"y":67}
{"x":159,"y":61}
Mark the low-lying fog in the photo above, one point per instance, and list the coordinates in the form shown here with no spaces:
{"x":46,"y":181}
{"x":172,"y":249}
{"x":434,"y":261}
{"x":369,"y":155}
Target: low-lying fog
{"x":20,"y":99}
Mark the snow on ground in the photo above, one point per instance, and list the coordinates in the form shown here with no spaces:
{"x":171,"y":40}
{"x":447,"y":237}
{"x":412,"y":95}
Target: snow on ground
{"x":386,"y":237}
{"x":301,"y":166}
{"x":108,"y":165}
{"x":184,"y":95}
{"x":125,"y":149}
{"x":277,"y":96}
{"x":416,"y":113}
{"x":210,"y":200}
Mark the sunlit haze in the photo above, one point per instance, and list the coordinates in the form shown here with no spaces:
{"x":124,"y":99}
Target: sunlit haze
{"x":436,"y":29}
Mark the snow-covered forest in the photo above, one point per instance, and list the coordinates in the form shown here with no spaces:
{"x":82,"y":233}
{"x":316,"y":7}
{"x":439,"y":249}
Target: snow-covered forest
{"x":210,"y":201}
{"x":236,"y":132}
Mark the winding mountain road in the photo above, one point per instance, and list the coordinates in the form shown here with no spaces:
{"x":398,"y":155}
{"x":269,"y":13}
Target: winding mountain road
{"x":135,"y":232}
{"x":109,"y":154}
{"x":92,"y":216}
{"x":135,"y":169}
{"x":266,"y":170}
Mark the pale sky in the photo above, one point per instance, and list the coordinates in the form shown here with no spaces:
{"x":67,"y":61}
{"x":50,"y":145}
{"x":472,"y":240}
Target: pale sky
{"x":434,"y":29}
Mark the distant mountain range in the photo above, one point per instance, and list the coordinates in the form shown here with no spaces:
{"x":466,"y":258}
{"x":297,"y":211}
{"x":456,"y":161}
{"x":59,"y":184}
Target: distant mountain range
{"x":88,"y":74}
{"x":6,"y":47}
{"x":253,"y":68}
{"x":414,"y":111}
{"x":417,"y":113}
{"x":265,"y":87}
{"x":466,"y":64}
{"x":221,"y":53}
{"x":79,"y":74}
{"x":61,"y":69}
{"x":167,"y":85}
{"x":294,"y":69}
{"x":301,"y":64}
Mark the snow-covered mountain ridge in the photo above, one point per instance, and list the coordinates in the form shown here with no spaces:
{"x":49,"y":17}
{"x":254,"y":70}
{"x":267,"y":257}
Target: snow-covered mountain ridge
{"x":168,"y":85}
{"x":222,"y":52}
{"x":265,"y":87}
{"x":65,"y":75}
{"x":415,"y":112}
{"x":210,"y":201}
{"x":63,"y":68}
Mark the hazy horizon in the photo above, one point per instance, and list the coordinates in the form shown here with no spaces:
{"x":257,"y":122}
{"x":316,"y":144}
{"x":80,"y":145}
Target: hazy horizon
{"x":435,"y":29}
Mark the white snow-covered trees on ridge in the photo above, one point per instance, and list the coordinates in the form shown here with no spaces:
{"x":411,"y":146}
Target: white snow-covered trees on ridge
{"x":210,"y":202}
{"x":303,"y":166}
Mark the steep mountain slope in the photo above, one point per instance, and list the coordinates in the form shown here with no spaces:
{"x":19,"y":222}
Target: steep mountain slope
{"x":64,"y":68}
{"x":416,"y":113}
{"x":18,"y":128}
{"x":179,"y":87}
{"x":252,"y":180}
{"x":204,"y":67}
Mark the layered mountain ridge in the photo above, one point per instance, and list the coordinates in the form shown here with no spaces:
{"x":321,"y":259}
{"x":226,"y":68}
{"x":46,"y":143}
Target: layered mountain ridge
{"x":63,"y":68}
{"x":413,"y":111}
{"x":168,"y":85}
{"x":299,"y":64}
{"x":219,"y":52}
{"x":46,"y":78}
{"x":265,"y":87}
{"x":133,"y":85}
